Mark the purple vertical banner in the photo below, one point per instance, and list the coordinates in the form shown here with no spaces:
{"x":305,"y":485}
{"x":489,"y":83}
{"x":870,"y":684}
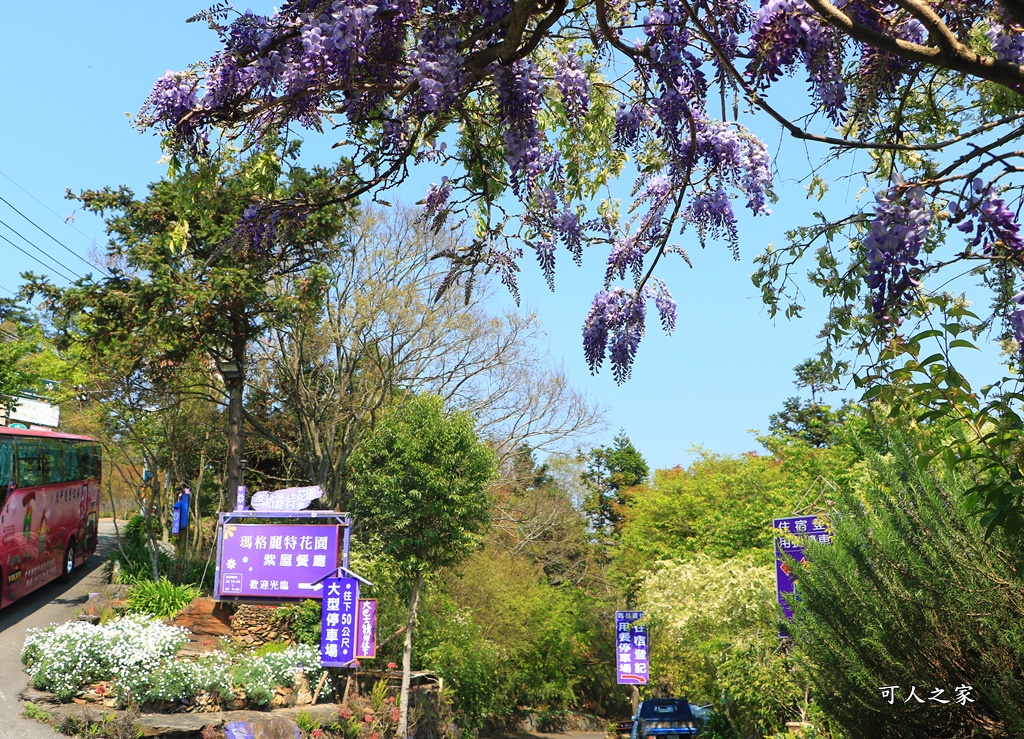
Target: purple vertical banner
{"x":270,"y":560}
{"x":790,"y":535}
{"x":630,"y":648}
{"x":366,"y":628}
{"x":186,"y":499}
{"x":338,"y":621}
{"x":240,"y":498}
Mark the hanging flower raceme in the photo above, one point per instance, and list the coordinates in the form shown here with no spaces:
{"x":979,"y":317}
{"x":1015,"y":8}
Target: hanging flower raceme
{"x":893,"y":245}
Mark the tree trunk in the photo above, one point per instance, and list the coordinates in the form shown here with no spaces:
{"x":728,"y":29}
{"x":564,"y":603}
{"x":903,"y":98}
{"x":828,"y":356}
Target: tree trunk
{"x":152,"y":512}
{"x":403,"y":701}
{"x":165,"y":505}
{"x":236,"y":447}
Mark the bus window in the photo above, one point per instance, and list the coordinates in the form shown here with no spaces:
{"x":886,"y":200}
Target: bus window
{"x":70,"y":449}
{"x":88,"y":461}
{"x":52,"y":456}
{"x":29,"y":463}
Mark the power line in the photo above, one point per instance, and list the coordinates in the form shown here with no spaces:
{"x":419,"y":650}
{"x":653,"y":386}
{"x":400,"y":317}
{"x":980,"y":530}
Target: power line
{"x":52,"y":238}
{"x":70,"y":224}
{"x":33,"y":256}
{"x":39,"y":249}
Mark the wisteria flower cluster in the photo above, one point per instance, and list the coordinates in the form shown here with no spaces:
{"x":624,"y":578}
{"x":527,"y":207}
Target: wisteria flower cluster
{"x":615,"y":325}
{"x":985,"y":216}
{"x":574,"y":85}
{"x":893,"y":247}
{"x":1007,"y":40}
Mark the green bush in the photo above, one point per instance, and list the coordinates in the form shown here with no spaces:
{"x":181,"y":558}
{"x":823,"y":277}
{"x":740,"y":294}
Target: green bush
{"x":911,"y":592}
{"x":63,"y":658}
{"x":161,"y":598}
{"x":271,"y":647}
{"x":131,"y":558}
{"x":304,"y":620}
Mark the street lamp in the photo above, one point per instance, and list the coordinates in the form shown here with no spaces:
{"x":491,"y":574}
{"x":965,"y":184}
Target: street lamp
{"x":230,"y":369}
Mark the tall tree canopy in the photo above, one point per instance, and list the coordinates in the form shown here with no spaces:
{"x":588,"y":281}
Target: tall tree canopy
{"x":421,"y":484}
{"x":186,"y":282}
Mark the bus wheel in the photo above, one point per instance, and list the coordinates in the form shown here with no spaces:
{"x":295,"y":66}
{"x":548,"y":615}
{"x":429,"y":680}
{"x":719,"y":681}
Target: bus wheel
{"x":69,"y":562}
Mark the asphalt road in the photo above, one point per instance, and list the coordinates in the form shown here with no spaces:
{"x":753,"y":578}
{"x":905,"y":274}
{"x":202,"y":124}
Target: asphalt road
{"x":54,"y":603}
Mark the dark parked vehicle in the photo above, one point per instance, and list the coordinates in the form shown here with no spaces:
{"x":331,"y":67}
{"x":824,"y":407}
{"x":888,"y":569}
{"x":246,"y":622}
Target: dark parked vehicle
{"x":665,"y":718}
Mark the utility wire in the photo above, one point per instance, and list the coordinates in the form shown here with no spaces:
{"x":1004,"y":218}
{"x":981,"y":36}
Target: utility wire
{"x":54,"y":239}
{"x":39,"y":249}
{"x":33,"y":256}
{"x":67,"y":221}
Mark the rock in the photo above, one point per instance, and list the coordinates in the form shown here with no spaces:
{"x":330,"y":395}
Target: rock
{"x":38,"y":696}
{"x":205,"y":617}
{"x":303,"y":693}
{"x":91,"y":696}
{"x":276,"y":727}
{"x":173,"y":724}
{"x":107,"y":597}
{"x":283,"y":698}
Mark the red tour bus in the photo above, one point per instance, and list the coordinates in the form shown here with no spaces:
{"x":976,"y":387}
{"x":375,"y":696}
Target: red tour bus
{"x":49,"y":507}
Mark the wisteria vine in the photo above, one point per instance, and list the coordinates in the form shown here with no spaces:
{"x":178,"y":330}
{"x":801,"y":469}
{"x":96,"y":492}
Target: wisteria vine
{"x":520,"y":91}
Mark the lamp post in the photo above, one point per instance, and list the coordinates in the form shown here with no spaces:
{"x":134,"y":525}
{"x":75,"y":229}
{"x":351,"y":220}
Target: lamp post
{"x":233,"y":373}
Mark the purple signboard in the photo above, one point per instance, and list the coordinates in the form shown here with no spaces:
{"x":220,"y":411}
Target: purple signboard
{"x":338,"y":624}
{"x":630,"y":648}
{"x":269,"y":560}
{"x":790,"y":535}
{"x":366,"y":628}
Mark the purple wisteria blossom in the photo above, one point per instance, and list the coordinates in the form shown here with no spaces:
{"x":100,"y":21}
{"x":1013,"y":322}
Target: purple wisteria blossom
{"x":893,"y":246}
{"x":985,"y":216}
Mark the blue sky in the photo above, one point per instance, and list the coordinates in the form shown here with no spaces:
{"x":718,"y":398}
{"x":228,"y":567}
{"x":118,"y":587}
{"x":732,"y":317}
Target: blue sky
{"x":723,"y":372}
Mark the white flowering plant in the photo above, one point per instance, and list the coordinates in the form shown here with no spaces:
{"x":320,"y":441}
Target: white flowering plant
{"x":139,"y":655}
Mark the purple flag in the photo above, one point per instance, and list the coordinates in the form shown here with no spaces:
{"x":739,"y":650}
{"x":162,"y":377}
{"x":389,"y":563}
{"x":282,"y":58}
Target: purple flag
{"x":789,"y":541}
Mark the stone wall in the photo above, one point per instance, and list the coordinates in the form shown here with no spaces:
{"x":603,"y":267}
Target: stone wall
{"x":246,"y":625}
{"x":254,"y":626}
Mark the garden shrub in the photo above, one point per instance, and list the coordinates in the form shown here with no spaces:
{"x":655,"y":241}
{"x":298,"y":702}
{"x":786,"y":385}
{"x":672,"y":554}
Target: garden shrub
{"x":132,"y":555}
{"x":65,"y":657}
{"x":912,"y":591}
{"x":161,"y":598}
{"x":304,"y":620}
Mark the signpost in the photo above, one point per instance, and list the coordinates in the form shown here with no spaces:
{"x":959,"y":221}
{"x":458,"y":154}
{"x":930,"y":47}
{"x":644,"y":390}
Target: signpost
{"x":630,"y":648}
{"x":272,"y":562}
{"x":366,"y":628}
{"x":288,"y":499}
{"x":791,"y":533}
{"x":338,"y":624}
{"x":275,"y":562}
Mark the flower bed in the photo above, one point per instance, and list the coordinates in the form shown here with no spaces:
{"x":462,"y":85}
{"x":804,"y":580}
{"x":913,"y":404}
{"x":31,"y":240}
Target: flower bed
{"x":137,"y":656}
